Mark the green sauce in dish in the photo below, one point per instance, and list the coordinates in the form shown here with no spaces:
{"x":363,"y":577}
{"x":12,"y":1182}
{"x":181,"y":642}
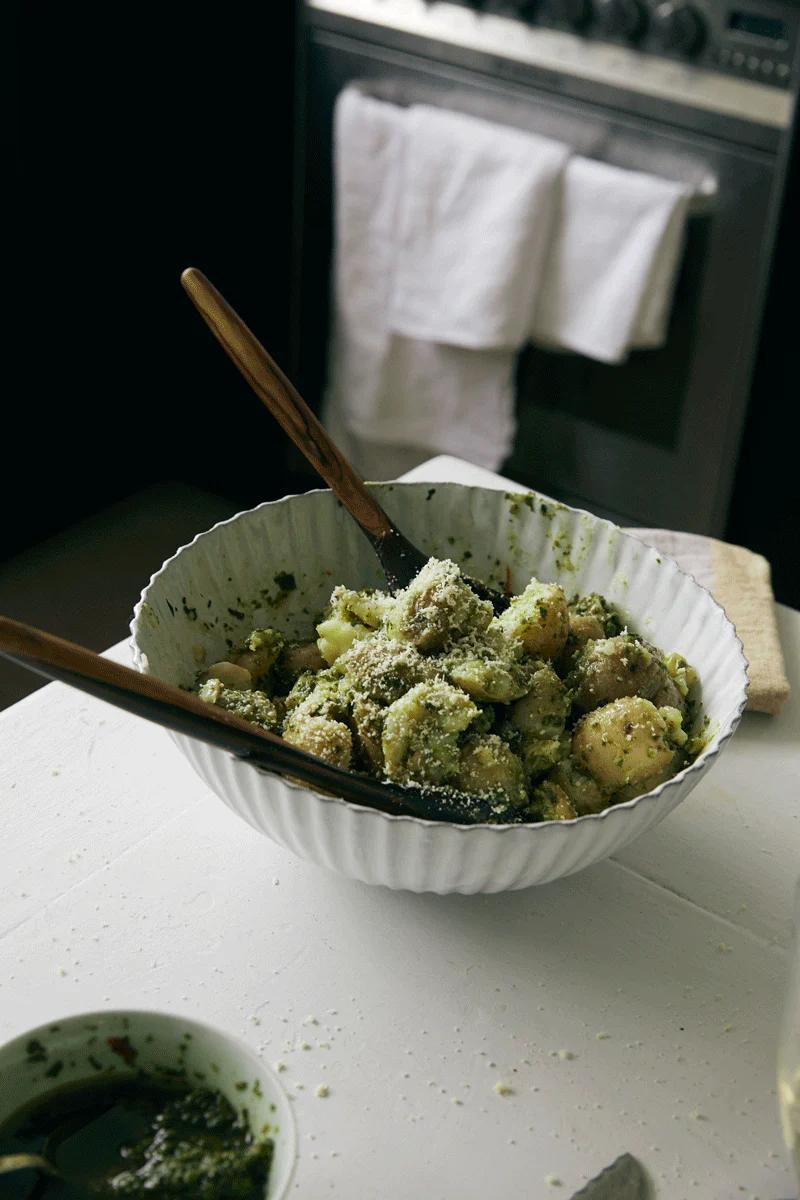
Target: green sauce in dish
{"x":137,"y":1138}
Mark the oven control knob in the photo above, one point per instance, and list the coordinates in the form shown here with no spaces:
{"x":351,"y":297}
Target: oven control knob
{"x":678,"y":26}
{"x":621,"y":18}
{"x":572,"y":13}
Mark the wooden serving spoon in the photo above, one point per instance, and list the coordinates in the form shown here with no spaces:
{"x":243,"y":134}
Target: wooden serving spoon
{"x":399,"y":559}
{"x":44,"y":1161}
{"x":186,"y":713}
{"x":72,"y":1168}
{"x":27,"y":1162}
{"x":38,"y":1162}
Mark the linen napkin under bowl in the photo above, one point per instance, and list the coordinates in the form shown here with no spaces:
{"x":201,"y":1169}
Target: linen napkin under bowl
{"x":610,"y":273}
{"x":445,"y":383}
{"x":740,"y":580}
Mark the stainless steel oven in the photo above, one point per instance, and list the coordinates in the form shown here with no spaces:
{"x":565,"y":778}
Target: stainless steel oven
{"x":701,"y":91}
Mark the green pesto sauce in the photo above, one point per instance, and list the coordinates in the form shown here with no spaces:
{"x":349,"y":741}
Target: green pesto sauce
{"x":137,"y":1138}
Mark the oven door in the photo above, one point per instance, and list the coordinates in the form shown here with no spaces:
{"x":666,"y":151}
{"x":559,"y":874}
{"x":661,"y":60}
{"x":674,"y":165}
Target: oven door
{"x":652,"y":441}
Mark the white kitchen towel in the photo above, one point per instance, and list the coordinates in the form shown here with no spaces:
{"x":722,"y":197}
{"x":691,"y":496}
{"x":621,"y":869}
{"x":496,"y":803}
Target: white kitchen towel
{"x":385,"y":388}
{"x":476,"y":209}
{"x":610,"y":273}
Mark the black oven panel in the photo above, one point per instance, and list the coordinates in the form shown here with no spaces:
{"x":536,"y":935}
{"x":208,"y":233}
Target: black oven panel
{"x":757,"y":42}
{"x":677,"y":88}
{"x":734,"y":61}
{"x":752,"y":39}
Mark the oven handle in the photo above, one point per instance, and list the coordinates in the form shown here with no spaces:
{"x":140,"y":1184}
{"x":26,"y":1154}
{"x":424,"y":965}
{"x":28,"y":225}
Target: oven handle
{"x":702,"y":201}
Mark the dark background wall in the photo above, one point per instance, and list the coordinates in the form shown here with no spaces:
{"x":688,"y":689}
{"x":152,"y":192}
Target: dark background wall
{"x":147,"y":139}
{"x":152,"y":138}
{"x":765,"y":508}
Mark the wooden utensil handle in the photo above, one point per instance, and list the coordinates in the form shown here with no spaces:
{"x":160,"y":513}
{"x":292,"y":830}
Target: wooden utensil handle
{"x":186,"y":713}
{"x":59,"y":658}
{"x":26,"y":1162}
{"x":284,"y":402}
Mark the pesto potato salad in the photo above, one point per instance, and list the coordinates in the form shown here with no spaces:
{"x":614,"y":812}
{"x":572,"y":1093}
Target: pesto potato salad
{"x":549,"y":711}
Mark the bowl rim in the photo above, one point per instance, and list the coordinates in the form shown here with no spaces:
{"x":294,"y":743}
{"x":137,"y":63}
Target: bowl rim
{"x":698,"y":766}
{"x":288,"y":1125}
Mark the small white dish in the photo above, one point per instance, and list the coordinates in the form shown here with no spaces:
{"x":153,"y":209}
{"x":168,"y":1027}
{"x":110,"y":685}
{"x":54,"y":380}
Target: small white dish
{"x":89,"y":1046}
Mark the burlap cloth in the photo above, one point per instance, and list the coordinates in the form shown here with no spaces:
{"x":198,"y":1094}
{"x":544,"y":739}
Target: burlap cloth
{"x":740,"y":581}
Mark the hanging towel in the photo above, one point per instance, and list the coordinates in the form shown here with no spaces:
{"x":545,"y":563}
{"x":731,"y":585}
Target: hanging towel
{"x":610,"y":273}
{"x":476,"y":209}
{"x":429,"y":397}
{"x":417,"y":393}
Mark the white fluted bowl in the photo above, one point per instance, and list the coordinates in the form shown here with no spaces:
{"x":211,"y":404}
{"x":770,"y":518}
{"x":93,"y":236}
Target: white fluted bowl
{"x":239,"y":575}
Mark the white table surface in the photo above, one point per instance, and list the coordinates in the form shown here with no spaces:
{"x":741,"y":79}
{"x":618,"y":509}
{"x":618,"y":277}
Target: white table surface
{"x":124,"y":882}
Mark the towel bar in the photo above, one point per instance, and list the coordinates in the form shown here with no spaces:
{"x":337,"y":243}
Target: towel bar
{"x":702,"y":201}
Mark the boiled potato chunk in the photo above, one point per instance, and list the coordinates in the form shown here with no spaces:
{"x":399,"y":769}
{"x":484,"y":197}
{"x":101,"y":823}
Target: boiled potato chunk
{"x":323,"y":695}
{"x":591,"y":618}
{"x":624,"y":743}
{"x":580,"y":788}
{"x":539,"y":753}
{"x":298,"y":657}
{"x":543,"y":711}
{"x":536,"y":723}
{"x":421,"y":732}
{"x":538,"y":618}
{"x":488,"y":767}
{"x":382,"y":669}
{"x":350,"y":615}
{"x":329,"y":740}
{"x":366,"y":722}
{"x":437,"y":608}
{"x":553,"y":802}
{"x":231,"y":675}
{"x":260,"y":652}
{"x":680,"y":685}
{"x":614,"y":667}
{"x":251,"y":705}
{"x":371,"y":608}
{"x":488,"y":667}
{"x":336,"y":634}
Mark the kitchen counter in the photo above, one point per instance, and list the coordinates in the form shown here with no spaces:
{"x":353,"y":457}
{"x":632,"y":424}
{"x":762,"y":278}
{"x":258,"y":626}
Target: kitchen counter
{"x":474,"y":1046}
